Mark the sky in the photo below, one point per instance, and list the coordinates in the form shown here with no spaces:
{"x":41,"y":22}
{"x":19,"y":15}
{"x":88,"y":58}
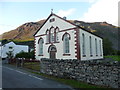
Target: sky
{"x":14,"y":13}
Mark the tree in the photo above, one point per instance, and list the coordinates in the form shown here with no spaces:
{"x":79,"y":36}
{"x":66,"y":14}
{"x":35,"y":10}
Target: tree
{"x":107,"y":47}
{"x":10,"y":54}
{"x":27,"y":55}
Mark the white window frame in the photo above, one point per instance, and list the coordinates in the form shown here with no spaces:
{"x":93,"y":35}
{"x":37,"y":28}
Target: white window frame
{"x":90,"y":40}
{"x":66,"y":44}
{"x":52,"y":35}
{"x":47,"y":36}
{"x":83,"y":45}
{"x":96,"y":47}
{"x":41,"y":47}
{"x":100,"y":47}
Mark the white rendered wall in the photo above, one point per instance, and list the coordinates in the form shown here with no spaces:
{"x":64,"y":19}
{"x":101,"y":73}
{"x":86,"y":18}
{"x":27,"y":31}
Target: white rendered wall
{"x":58,"y":22}
{"x":87,"y":46}
{"x":16,"y":49}
{"x":63,"y":25}
{"x":59,"y":47}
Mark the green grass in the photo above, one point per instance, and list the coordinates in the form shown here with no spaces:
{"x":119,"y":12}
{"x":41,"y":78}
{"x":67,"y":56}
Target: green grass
{"x":70,"y":82}
{"x":114,"y":57}
{"x":32,"y":65}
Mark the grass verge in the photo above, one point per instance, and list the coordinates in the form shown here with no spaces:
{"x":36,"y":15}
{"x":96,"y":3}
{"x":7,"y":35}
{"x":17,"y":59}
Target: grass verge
{"x":114,"y":57}
{"x":32,"y":65}
{"x":70,"y":82}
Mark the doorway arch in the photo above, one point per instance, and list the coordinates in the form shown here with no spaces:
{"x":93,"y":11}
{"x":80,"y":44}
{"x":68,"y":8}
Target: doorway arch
{"x":52,"y":51}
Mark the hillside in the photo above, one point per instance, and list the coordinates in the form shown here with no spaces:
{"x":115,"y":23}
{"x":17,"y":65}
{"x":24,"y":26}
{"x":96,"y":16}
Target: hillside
{"x":25,"y":32}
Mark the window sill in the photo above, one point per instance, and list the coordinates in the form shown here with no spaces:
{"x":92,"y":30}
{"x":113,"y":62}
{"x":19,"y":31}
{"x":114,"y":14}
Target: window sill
{"x":40,"y":55}
{"x":91,"y":55}
{"x":66,"y":54}
{"x":84,"y":55}
{"x":52,"y":42}
{"x":56,"y":42}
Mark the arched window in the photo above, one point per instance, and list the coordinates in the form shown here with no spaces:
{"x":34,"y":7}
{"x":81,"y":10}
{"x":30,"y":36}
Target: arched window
{"x":66,"y":45}
{"x":96,"y":48}
{"x":56,"y":34}
{"x":90,"y":45}
{"x":40,"y":42}
{"x":83,"y":44}
{"x":47,"y":36}
{"x":52,"y":34}
{"x":100,"y":47}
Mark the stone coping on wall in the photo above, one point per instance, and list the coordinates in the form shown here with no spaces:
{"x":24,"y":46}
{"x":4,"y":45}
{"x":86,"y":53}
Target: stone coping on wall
{"x":106,"y":61}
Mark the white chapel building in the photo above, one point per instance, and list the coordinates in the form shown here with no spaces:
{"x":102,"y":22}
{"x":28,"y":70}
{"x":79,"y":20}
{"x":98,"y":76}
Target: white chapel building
{"x":58,"y":38}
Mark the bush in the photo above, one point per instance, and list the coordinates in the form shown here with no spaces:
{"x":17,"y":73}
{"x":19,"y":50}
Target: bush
{"x":118,"y":52}
{"x":107,"y":47}
{"x":27,"y":55}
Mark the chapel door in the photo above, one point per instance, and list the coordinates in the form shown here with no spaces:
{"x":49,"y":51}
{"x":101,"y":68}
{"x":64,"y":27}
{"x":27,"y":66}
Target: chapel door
{"x":52,"y":55}
{"x":52,"y":52}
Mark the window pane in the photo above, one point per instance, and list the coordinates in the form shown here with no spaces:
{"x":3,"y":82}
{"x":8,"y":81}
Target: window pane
{"x":41,"y":47}
{"x":90,"y":46}
{"x":66,"y":44}
{"x":96,"y":46}
{"x":83,"y":44}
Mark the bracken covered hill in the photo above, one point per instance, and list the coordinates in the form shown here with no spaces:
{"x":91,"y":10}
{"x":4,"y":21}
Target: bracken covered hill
{"x":26,"y":31}
{"x":23,"y":32}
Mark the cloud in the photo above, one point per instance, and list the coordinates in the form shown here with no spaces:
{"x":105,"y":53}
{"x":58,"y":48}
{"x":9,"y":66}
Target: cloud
{"x":102,"y":10}
{"x":66,"y":13}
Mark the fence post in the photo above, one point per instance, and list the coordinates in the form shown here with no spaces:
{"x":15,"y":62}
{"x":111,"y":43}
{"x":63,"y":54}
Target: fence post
{"x":18,"y":62}
{"x":22,"y":62}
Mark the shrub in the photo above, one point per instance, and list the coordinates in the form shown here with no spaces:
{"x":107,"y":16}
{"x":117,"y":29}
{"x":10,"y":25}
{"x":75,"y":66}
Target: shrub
{"x":27,"y":55}
{"x":107,"y":47}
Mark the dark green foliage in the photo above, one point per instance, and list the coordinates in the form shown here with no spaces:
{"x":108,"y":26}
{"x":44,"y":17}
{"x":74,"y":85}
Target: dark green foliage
{"x":26,"y":55}
{"x":10,"y":54}
{"x":118,"y":52}
{"x":107,"y":47}
{"x":4,"y":41}
{"x":31,"y":54}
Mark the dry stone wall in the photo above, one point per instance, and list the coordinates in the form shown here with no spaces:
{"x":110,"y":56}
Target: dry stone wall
{"x":98,"y":72}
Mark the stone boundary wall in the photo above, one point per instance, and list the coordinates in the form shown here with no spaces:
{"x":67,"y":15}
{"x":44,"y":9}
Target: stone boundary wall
{"x":97,"y":72}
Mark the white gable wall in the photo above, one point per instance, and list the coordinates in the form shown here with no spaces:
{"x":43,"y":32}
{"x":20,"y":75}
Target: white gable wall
{"x":63,"y":25}
{"x":87,"y":46}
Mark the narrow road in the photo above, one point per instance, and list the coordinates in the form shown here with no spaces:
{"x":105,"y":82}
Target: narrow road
{"x":17,"y":78}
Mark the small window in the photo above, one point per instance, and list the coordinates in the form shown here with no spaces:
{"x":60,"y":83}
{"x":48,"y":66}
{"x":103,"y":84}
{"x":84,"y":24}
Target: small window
{"x":10,"y":47}
{"x":52,"y":20}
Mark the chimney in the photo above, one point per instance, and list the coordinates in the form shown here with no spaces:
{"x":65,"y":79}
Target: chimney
{"x":64,"y":17}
